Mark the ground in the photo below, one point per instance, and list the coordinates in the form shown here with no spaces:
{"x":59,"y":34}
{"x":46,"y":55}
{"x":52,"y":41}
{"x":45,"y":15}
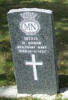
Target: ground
{"x":26,"y":98}
{"x":60,"y":10}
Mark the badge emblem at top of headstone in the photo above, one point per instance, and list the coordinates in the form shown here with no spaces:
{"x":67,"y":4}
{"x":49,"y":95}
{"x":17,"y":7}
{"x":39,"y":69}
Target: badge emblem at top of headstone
{"x":29,"y":25}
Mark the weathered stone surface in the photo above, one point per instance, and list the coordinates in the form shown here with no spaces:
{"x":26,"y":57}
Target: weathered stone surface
{"x":33,"y":46}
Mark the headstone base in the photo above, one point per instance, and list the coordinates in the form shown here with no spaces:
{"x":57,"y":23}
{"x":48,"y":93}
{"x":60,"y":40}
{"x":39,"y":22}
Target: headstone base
{"x":11,"y":92}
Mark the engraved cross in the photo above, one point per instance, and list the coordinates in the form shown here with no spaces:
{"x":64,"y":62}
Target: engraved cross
{"x":34,"y":64}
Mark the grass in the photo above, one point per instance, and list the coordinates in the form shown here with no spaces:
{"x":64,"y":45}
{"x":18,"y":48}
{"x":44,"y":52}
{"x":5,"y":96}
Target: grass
{"x":61,"y":29}
{"x":21,"y":1}
{"x":58,"y":97}
{"x":25,"y":98}
{"x":8,"y":99}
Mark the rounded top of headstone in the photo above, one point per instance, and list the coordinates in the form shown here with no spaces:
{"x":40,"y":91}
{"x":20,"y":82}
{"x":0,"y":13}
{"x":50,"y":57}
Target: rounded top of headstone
{"x":30,"y":9}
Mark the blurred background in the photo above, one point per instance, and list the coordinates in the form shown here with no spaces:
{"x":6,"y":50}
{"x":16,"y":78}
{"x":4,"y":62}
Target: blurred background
{"x":60,"y":10}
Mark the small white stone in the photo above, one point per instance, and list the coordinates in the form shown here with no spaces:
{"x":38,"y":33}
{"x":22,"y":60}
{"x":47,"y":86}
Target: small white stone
{"x":9,"y":91}
{"x":22,"y":95}
{"x":65,"y":95}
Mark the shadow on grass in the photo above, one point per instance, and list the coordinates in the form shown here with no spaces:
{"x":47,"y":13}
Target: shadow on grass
{"x":63,"y":79}
{"x":7,"y":79}
{"x":5,"y":46}
{"x":61,"y":23}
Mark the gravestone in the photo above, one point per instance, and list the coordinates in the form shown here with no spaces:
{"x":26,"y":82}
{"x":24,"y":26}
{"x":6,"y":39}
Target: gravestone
{"x":33,"y":47}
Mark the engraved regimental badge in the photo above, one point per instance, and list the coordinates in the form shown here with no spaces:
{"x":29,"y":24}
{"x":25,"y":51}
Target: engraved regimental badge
{"x":29,"y":25}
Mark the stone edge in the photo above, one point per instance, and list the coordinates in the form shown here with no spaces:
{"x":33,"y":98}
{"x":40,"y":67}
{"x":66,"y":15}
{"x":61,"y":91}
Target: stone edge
{"x":30,"y":9}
